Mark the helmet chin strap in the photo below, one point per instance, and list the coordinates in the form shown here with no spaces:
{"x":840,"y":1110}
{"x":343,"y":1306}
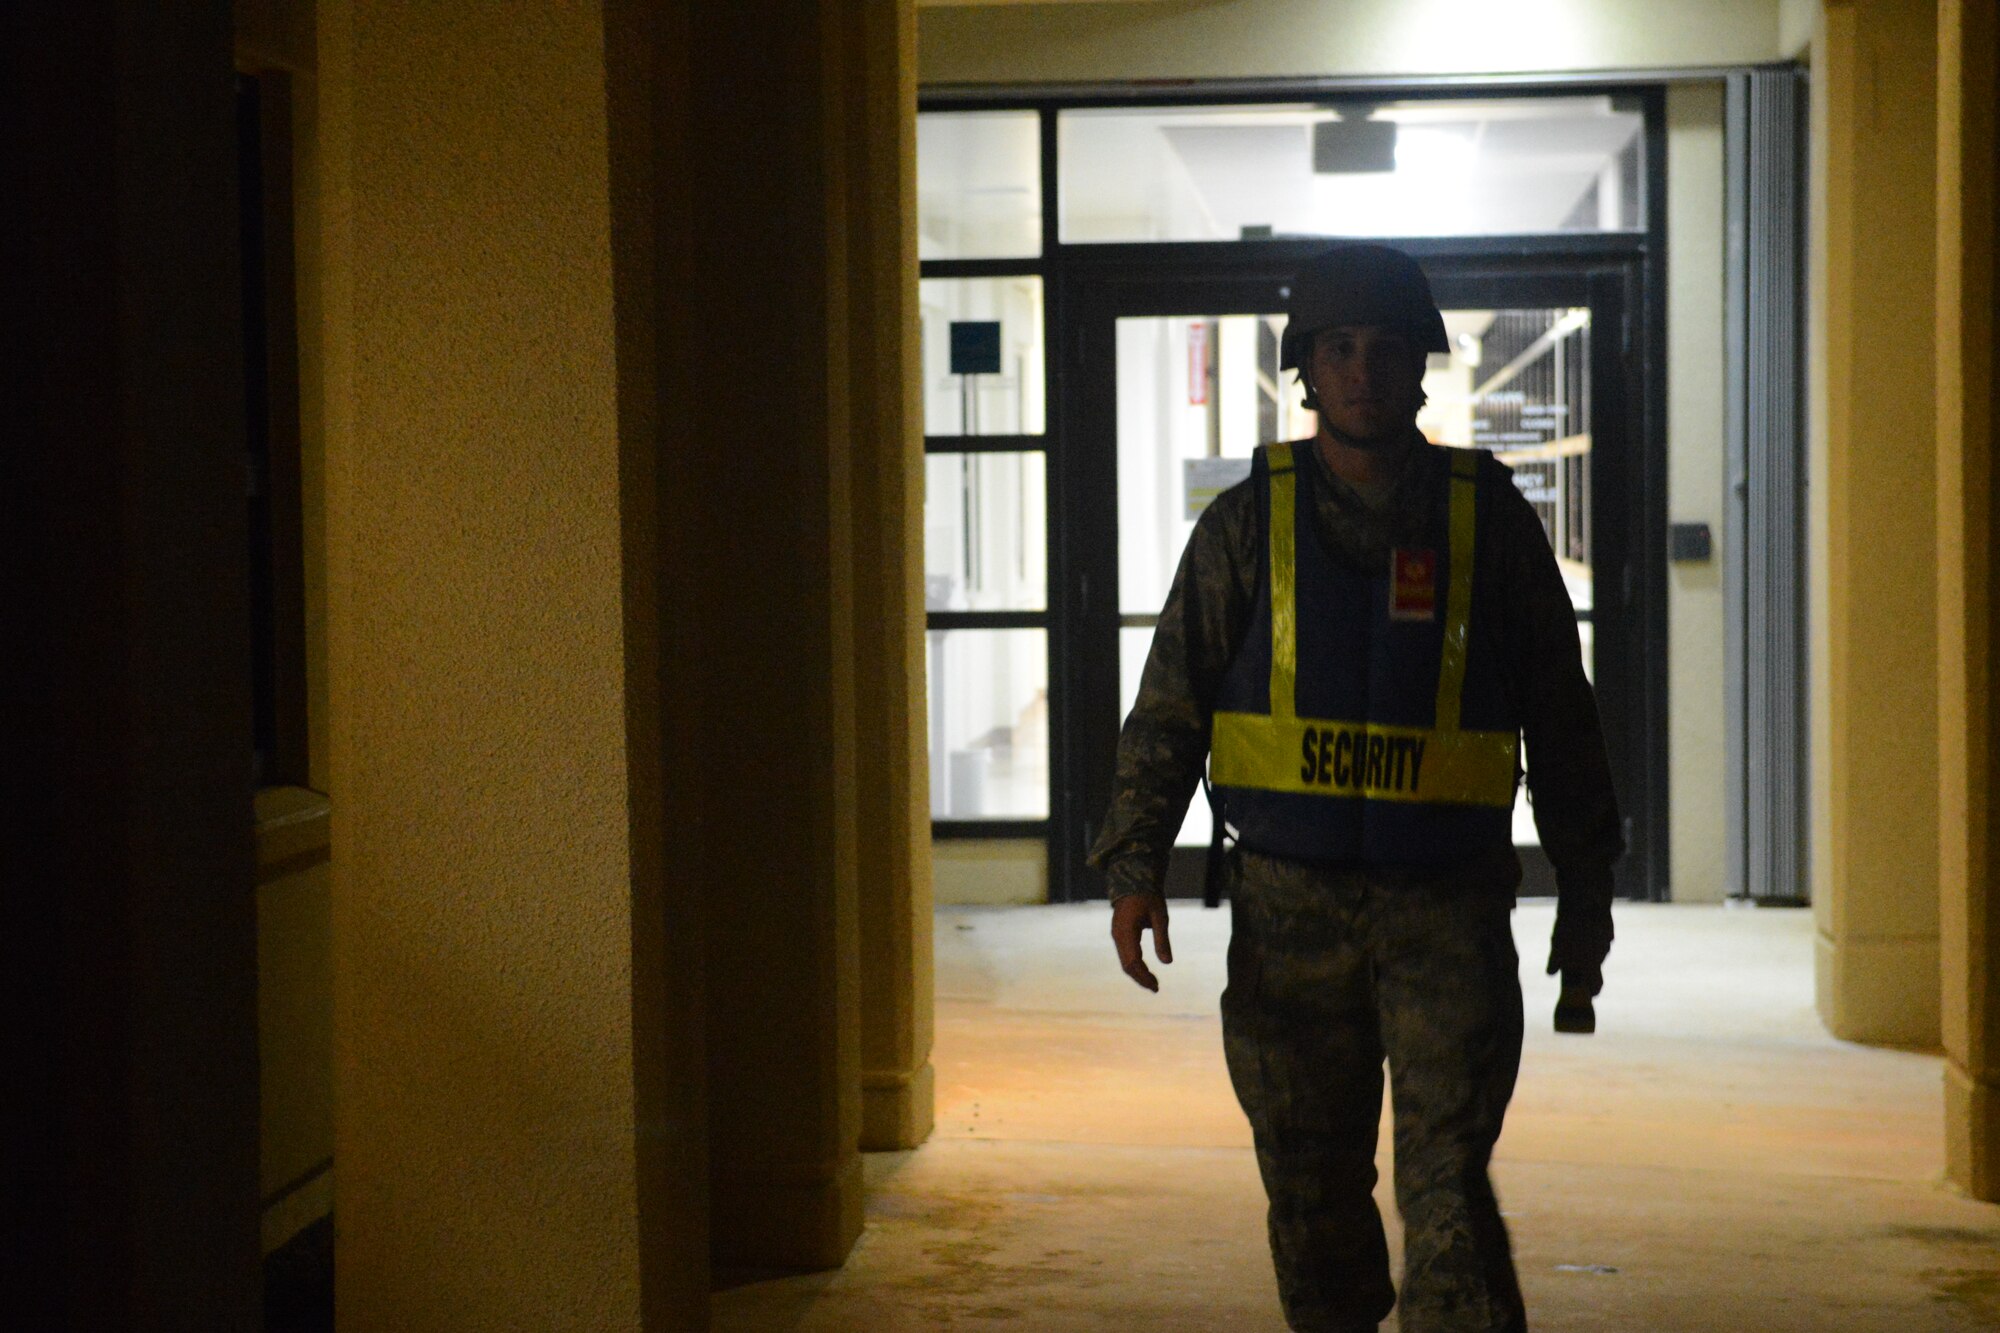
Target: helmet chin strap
{"x":1370,"y":444}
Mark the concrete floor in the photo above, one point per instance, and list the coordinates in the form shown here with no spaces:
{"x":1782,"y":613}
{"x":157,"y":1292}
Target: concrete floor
{"x":1710,"y":1160}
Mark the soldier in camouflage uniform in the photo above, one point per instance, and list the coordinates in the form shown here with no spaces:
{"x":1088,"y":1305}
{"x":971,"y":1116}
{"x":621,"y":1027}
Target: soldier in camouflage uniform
{"x":1371,"y":909}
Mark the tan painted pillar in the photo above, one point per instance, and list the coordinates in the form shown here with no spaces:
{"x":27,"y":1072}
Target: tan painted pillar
{"x":893,"y":808}
{"x":1968,"y":232}
{"x":763,"y":509}
{"x":649,"y":86}
{"x":1873,"y":477}
{"x":501,"y":1043}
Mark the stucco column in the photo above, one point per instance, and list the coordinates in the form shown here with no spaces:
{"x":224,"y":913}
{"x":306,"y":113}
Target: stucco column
{"x":892,"y":806}
{"x":500,"y":1044}
{"x":1873,"y":488}
{"x":765,"y":515}
{"x":1968,"y":724}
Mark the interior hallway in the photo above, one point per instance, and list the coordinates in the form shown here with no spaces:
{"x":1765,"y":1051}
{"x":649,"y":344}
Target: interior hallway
{"x":1710,"y":1160}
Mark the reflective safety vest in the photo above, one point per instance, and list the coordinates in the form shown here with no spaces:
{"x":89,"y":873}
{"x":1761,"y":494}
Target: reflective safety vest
{"x":1361,"y":719}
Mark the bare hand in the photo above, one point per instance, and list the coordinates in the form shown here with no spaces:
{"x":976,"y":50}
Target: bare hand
{"x":1132,"y":916}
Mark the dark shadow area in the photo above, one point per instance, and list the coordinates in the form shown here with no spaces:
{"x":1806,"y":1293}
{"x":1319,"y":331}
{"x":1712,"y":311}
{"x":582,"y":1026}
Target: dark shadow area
{"x":298,"y":1282}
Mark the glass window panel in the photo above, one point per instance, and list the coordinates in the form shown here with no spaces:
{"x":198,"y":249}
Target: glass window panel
{"x":989,"y":723}
{"x":1011,"y":401}
{"x":1423,"y":167}
{"x":1193,"y":393}
{"x":1133,"y":645}
{"x":985,"y":532}
{"x":979,"y":185}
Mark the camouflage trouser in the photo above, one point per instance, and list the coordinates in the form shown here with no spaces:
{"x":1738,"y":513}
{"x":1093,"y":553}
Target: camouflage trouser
{"x":1330,"y":971}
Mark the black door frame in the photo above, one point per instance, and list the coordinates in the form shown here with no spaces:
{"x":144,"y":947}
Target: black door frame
{"x":1605,"y":273}
{"x":1071,"y":271}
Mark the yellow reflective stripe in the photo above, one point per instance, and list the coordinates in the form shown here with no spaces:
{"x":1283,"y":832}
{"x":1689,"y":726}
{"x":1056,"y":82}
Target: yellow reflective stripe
{"x":1311,"y":757}
{"x":1458,"y":600}
{"x":1284,"y":594}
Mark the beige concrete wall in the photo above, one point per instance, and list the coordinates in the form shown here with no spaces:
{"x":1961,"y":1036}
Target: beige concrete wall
{"x":763,"y":540}
{"x":1696,"y":491}
{"x":1198,"y":39}
{"x":1968,"y":240}
{"x":1819,"y":601}
{"x":784,"y":653}
{"x":1872,"y":491}
{"x":1795,"y":28}
{"x":484,"y":940}
{"x":990,"y":872}
{"x":891,"y":760}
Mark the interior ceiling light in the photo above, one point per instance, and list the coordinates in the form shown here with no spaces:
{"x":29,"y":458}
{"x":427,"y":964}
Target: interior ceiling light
{"x":1354,"y":143}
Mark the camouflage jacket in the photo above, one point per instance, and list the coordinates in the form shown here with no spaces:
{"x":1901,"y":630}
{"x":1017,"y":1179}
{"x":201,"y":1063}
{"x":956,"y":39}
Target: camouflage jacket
{"x":1163,"y":749}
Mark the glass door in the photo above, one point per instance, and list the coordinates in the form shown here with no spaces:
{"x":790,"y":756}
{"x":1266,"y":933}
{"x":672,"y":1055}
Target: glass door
{"x":1190,"y":386}
{"x":1196,"y":396}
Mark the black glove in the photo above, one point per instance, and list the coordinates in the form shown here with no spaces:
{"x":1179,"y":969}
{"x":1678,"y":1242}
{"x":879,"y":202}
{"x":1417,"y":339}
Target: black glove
{"x":1582,"y":937}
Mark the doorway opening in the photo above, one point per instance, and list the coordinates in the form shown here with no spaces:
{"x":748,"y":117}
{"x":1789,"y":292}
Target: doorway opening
{"x":1188,"y":393}
{"x":1103,"y":286}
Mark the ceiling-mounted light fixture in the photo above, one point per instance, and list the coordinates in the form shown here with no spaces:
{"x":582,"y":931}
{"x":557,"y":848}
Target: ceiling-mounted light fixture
{"x":1354,"y":142}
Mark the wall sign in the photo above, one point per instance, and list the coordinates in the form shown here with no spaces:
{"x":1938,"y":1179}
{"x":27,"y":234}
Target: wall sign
{"x":1198,"y":364}
{"x":1202,"y":479}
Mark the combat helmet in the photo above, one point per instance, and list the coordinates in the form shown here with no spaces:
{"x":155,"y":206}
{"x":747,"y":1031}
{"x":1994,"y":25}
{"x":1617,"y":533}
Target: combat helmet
{"x":1360,"y":284}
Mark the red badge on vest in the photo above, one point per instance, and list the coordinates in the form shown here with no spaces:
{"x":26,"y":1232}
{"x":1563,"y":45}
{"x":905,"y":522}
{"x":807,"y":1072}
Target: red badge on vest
{"x":1412,"y":584}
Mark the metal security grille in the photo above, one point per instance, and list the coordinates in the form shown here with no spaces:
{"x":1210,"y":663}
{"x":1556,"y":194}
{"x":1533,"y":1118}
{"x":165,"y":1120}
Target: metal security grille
{"x":1765,"y":542}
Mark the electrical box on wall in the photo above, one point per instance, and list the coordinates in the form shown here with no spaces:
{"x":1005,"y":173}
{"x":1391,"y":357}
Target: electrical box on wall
{"x":1690,"y":543}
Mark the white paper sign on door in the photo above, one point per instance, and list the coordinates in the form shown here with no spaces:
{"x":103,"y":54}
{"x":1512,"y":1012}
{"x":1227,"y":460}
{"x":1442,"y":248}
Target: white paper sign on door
{"x":1202,"y":479}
